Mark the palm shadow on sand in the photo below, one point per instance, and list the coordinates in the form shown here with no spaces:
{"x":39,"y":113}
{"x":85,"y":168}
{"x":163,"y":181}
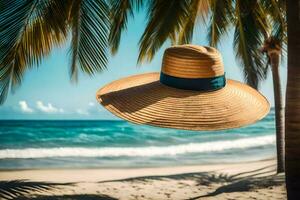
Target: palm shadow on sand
{"x":246,"y":184}
{"x":23,"y":189}
{"x":69,"y":197}
{"x":241,"y":182}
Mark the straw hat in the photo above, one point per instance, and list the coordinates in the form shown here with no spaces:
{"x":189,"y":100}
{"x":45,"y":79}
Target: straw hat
{"x":191,"y":92}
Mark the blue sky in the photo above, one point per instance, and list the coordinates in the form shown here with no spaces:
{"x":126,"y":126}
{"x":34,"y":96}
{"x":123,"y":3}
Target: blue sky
{"x":47,"y":93}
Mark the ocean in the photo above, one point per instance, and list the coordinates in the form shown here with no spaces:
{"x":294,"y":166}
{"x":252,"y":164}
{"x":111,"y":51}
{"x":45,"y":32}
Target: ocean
{"x":32,"y":144}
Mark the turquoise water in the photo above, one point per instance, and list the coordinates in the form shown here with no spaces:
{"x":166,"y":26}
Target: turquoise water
{"x":115,"y":144}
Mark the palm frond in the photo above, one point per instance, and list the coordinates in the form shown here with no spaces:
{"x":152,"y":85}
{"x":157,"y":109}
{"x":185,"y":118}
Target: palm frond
{"x":220,"y":20}
{"x":90,"y":26}
{"x":187,"y":30}
{"x":276,"y":11}
{"x":203,"y":7}
{"x":165,"y":18}
{"x":250,"y":31}
{"x":120,"y":11}
{"x":75,"y":40}
{"x":14,"y":19}
{"x":27,"y":36}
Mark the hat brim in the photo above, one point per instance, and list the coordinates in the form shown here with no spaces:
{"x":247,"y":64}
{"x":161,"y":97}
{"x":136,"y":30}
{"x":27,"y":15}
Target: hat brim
{"x":142,"y":99}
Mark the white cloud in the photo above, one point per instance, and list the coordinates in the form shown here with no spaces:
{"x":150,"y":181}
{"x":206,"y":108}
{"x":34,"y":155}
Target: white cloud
{"x":82,"y":112}
{"x":91,"y":104}
{"x":90,"y":109}
{"x":24,"y":107}
{"x":49,"y":108}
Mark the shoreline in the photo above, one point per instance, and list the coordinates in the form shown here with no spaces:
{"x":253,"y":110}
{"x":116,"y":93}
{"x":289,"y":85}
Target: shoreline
{"x":137,"y":167}
{"x":104,"y":174}
{"x":140,"y":167}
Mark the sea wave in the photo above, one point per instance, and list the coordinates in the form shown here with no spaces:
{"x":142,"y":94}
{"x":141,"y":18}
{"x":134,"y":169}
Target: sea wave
{"x":138,"y":151}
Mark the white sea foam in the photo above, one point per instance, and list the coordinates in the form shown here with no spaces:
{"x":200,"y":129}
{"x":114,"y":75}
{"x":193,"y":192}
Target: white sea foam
{"x":137,"y":151}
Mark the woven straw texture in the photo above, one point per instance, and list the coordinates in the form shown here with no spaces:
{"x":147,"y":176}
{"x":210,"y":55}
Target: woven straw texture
{"x":191,"y":61}
{"x":142,"y":99}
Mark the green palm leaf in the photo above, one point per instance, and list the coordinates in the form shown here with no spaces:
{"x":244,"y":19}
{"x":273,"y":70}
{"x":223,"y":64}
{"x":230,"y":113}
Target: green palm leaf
{"x":196,"y":8}
{"x":220,"y":20}
{"x":30,"y":29}
{"x":276,"y":11}
{"x":250,"y":31}
{"x":120,"y":11}
{"x":165,"y":19}
{"x":90,"y":25}
{"x":26,"y":36}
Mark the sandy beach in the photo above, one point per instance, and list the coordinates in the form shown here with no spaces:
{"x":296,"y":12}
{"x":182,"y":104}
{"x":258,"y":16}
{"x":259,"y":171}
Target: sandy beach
{"x":249,"y":180}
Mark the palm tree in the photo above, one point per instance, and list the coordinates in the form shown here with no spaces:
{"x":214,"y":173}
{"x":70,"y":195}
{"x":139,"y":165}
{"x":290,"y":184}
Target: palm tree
{"x":273,"y":50}
{"x":173,"y":20}
{"x":292,"y":114}
{"x":29,"y":29}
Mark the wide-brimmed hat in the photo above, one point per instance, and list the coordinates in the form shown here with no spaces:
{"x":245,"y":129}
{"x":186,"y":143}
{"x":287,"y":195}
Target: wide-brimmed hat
{"x":191,"y":92}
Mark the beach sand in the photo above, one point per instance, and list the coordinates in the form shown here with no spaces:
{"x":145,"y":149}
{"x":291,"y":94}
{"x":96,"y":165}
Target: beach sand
{"x":249,"y":180}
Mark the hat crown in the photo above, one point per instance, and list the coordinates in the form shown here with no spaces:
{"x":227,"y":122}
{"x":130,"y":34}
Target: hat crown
{"x":192,"y":61}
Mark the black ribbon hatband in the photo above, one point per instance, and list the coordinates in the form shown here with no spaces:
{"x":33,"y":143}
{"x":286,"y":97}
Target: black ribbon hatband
{"x":199,"y":84}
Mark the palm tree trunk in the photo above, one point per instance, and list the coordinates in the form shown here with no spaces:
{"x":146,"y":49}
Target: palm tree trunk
{"x":279,"y":110}
{"x":292,"y":115}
